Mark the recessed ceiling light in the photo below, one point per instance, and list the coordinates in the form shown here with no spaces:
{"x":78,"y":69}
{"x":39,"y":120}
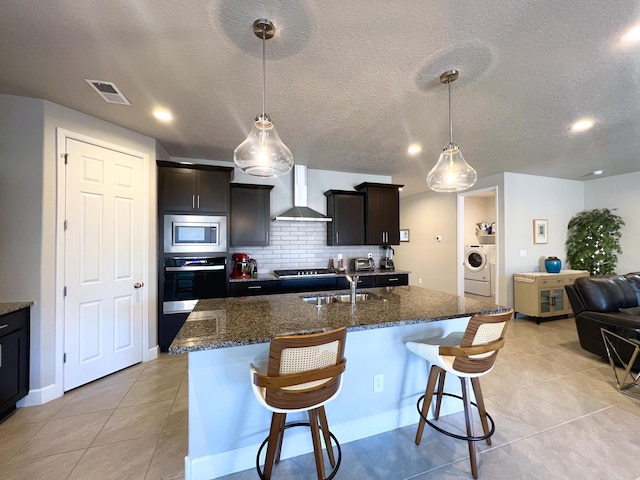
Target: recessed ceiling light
{"x":598,"y":172}
{"x":414,"y":149}
{"x":582,"y":125}
{"x":163,"y":115}
{"x":632,"y":36}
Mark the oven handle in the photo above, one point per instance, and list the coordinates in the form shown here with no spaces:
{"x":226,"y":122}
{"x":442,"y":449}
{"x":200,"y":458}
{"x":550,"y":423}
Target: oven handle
{"x":193,"y":269}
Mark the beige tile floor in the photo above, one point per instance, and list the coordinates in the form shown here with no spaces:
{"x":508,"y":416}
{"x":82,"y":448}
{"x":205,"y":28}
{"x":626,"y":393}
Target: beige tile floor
{"x":557,"y":412}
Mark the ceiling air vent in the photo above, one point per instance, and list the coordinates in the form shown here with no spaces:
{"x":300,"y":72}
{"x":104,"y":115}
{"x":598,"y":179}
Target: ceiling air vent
{"x":108,"y":91}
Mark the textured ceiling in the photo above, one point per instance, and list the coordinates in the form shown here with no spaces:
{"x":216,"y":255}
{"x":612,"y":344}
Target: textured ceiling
{"x":349,"y":83}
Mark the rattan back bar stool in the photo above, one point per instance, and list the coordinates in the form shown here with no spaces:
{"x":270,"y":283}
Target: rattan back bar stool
{"x":304,"y":372}
{"x":468,"y":355}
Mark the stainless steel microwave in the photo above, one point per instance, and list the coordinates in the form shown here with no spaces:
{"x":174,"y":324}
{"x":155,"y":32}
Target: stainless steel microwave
{"x":195,"y":234}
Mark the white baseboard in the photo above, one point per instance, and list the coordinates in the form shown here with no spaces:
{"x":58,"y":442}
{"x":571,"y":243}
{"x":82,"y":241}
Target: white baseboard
{"x":38,"y":396}
{"x":150,"y":354}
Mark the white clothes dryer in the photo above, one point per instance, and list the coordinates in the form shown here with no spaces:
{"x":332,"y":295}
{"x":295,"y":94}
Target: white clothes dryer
{"x":478,"y":261}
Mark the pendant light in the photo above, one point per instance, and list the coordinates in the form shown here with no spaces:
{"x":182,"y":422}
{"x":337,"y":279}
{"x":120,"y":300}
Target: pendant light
{"x":262,"y":153}
{"x":452,"y":173}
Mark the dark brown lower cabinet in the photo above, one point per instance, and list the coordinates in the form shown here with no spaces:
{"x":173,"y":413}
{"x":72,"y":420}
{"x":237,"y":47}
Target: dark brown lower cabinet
{"x":14,"y":359}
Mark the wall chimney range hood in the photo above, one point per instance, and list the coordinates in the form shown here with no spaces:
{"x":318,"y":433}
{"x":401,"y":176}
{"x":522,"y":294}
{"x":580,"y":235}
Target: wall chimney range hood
{"x":300,"y":211}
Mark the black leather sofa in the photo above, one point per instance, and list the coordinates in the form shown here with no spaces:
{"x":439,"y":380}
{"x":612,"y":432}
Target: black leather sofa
{"x":606,"y":302}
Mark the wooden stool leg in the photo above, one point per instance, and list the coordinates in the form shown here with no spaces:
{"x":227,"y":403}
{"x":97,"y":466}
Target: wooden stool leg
{"x":469,"y":423}
{"x":475,"y":382}
{"x":443,"y":374}
{"x":317,"y":444}
{"x":431,"y":386}
{"x":281,"y":437}
{"x":325,"y":433}
{"x":272,"y":444}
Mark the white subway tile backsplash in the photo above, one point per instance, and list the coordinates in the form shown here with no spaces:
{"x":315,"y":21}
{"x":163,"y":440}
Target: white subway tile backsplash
{"x":302,"y":245}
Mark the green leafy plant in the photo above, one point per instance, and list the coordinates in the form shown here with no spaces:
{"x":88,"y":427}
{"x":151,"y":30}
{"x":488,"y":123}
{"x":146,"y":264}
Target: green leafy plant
{"x":593,"y":241}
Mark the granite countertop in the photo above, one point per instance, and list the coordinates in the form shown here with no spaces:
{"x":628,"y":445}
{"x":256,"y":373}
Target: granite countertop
{"x":237,"y":321}
{"x":271,"y":276}
{"x":10,"y":307}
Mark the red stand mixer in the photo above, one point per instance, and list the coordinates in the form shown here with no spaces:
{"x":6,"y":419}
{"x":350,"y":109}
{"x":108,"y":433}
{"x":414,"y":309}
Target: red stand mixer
{"x":241,"y":265}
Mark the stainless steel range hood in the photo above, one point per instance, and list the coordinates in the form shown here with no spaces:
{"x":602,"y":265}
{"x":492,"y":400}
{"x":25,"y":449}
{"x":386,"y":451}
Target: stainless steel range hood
{"x":300,"y":211}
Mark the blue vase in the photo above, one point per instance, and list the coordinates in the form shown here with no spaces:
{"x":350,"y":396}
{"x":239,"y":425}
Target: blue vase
{"x":553,"y":264}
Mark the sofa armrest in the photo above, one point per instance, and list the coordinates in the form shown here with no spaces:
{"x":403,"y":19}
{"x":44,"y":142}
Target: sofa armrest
{"x":577,"y":305}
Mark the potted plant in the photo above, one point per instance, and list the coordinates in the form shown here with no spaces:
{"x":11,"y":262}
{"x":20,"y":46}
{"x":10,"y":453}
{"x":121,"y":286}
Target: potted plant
{"x":593,"y":241}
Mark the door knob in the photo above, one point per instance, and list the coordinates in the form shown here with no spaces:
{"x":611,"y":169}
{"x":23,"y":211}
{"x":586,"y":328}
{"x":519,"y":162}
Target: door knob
{"x":138,"y":285}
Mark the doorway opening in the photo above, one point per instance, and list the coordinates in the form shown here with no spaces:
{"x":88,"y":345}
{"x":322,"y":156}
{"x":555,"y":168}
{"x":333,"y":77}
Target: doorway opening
{"x":478,"y":245}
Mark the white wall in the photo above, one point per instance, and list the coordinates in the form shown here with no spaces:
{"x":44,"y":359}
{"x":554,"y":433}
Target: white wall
{"x":426,"y":216}
{"x":529,"y":197}
{"x":521,"y":198}
{"x":478,"y":210}
{"x":21,"y":203}
{"x":621,"y":195}
{"x":29,"y":173}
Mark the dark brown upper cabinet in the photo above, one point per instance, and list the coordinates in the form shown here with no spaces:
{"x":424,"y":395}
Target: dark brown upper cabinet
{"x":382,"y":213}
{"x":194,"y":188}
{"x":250,"y":211}
{"x":346,"y":208}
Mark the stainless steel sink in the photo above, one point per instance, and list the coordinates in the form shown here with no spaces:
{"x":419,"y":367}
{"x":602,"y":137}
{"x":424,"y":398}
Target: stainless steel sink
{"x":340,"y":298}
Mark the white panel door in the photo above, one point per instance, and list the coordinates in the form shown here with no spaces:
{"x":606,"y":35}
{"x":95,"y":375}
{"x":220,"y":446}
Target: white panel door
{"x":103,"y":262}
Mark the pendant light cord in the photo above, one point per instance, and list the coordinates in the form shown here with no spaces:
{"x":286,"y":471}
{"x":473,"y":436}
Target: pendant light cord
{"x":264,"y":67}
{"x":450,"y":122}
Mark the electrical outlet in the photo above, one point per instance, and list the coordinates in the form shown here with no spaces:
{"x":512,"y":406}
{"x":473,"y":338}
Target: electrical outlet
{"x":420,"y":281}
{"x":378,"y":382}
{"x":523,"y":253}
{"x":370,"y":255}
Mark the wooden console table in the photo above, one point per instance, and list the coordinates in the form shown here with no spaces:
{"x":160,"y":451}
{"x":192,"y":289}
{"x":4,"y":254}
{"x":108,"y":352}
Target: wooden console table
{"x":541,"y":294}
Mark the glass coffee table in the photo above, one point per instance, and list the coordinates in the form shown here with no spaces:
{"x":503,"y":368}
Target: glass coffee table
{"x":613,"y":354}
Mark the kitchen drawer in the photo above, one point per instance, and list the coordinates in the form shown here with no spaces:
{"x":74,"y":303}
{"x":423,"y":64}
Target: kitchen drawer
{"x":392,"y":280}
{"x":13,"y":321}
{"x":308,"y":284}
{"x":259,"y":287}
{"x":365,"y":281}
{"x":551,"y":282}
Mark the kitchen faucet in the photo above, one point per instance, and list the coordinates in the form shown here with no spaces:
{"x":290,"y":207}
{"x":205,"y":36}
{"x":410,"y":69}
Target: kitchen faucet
{"x":353,"y":281}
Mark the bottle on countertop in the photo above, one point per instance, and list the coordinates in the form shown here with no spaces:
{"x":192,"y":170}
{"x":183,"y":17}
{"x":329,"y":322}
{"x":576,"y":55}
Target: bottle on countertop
{"x":331,"y":266}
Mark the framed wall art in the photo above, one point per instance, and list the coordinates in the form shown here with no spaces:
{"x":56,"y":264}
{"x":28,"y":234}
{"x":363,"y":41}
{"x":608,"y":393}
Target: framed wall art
{"x":540,"y":230}
{"x":404,"y":235}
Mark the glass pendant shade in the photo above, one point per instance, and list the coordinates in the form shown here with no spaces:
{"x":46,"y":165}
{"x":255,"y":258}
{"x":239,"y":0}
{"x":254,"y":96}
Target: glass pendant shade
{"x":262,"y":153}
{"x":452,"y":173}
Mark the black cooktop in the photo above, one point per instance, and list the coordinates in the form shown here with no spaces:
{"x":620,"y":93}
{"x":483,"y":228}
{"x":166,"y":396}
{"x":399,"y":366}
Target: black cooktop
{"x":303,"y":272}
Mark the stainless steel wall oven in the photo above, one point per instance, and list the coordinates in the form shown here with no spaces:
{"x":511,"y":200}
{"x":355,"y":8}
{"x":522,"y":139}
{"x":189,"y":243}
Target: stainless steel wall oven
{"x":187,"y":280}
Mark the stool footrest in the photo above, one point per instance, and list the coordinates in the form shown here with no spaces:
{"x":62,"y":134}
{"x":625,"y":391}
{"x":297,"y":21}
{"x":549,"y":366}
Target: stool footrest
{"x":334,"y":471}
{"x":451,"y":434}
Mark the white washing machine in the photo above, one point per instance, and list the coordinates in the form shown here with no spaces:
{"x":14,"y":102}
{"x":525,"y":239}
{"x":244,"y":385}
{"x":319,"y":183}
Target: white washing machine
{"x":478,"y":261}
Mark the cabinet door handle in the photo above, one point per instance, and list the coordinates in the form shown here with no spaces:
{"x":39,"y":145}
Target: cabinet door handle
{"x":198,"y":202}
{"x":392,"y":279}
{"x":254,"y":287}
{"x":4,"y":326}
{"x":337,"y":238}
{"x":193,"y":201}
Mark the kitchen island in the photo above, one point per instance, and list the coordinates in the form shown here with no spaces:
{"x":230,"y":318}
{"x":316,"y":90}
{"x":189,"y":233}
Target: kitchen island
{"x":224,"y":336}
